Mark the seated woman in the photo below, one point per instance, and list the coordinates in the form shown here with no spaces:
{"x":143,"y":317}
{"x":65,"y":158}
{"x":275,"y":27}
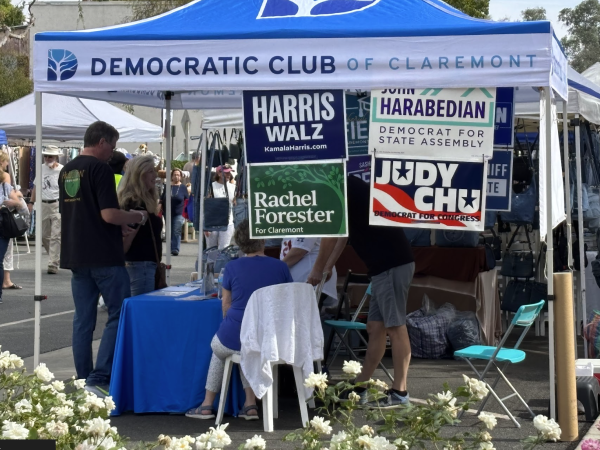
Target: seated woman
{"x":241,"y":278}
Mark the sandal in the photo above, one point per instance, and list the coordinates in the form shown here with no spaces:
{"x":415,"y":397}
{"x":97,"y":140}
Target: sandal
{"x":197,"y":413}
{"x":13,"y":286}
{"x":244,"y":413}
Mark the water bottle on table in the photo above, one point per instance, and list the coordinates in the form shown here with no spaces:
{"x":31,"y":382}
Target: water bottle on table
{"x":220,"y":283}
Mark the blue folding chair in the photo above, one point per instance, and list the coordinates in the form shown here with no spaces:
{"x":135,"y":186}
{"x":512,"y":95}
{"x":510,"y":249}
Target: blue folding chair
{"x":343,"y":327}
{"x":524,"y":317}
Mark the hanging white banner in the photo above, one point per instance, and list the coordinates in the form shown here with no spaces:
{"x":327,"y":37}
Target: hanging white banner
{"x":442,"y":123}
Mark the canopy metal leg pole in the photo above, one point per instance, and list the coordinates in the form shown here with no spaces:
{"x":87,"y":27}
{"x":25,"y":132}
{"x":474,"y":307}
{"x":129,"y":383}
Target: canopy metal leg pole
{"x":580,"y":226}
{"x":550,"y":248}
{"x":567,"y":180}
{"x":202,"y":180}
{"x":38,"y":229}
{"x":168,"y":158}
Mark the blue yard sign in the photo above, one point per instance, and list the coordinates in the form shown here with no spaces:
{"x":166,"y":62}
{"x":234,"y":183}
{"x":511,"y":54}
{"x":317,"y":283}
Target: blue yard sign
{"x":359,"y":166}
{"x":299,"y":125}
{"x":505,"y":114}
{"x":499,"y":180}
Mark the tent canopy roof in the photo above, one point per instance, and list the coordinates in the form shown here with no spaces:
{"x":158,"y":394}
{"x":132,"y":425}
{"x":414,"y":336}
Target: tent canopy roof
{"x":67,"y":118}
{"x":279,"y":19}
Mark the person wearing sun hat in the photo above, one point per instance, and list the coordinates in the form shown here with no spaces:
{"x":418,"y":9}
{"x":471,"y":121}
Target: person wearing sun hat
{"x":223,"y":178}
{"x":50,"y":213}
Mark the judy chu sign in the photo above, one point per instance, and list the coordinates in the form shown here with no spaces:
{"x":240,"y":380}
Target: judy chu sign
{"x":446,"y":123}
{"x":428,"y":193}
{"x":303,"y":200}
{"x":299,"y":125}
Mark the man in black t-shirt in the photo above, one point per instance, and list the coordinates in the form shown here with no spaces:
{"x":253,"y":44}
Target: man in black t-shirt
{"x":388,"y":256}
{"x":92,"y":230}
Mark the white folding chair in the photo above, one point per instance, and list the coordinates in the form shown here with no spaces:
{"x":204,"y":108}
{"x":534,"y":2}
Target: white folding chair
{"x":296,"y":299}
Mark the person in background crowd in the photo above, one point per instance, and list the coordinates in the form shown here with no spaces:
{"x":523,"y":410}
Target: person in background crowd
{"x":241,"y":278}
{"x":10,"y":199}
{"x":93,"y":226}
{"x":300,"y":255}
{"x":50,"y":213}
{"x":188,"y":168}
{"x":388,"y":256}
{"x":117,"y":164}
{"x":9,"y":257}
{"x":138,"y":191}
{"x":223,"y":178}
{"x":179,"y":194}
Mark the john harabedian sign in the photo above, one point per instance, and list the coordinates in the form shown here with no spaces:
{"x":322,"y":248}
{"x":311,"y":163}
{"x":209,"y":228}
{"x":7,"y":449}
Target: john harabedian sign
{"x":304,"y":199}
{"x":443,"y":123}
{"x":428,"y":193}
{"x":305,"y":125}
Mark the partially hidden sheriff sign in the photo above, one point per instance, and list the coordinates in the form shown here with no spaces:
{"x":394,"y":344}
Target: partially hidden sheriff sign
{"x":300,"y":125}
{"x":304,"y":199}
{"x":428,"y":193}
{"x":443,"y":123}
{"x":499,"y":181}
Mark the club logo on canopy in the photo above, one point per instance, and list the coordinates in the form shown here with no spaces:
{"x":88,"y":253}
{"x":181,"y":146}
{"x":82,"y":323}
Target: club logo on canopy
{"x":62,"y":65}
{"x":311,"y":8}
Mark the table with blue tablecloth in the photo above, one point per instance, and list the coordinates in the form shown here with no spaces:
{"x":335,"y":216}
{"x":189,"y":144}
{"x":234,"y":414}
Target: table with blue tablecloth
{"x":163,"y":352}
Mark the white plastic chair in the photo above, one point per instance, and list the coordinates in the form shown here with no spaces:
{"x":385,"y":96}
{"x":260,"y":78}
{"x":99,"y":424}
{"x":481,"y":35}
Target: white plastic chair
{"x":284,"y":310}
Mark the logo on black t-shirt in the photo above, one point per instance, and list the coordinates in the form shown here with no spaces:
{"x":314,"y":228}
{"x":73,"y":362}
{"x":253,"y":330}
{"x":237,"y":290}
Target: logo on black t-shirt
{"x":72,"y":183}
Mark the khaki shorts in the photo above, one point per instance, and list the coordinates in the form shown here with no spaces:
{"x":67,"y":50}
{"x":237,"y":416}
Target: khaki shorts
{"x":389,"y":295}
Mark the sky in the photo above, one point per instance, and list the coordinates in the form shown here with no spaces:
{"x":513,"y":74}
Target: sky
{"x":500,"y":9}
{"x":512,"y":8}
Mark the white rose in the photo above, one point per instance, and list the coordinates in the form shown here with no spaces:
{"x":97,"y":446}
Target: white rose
{"x":401,"y":444}
{"x":219,"y":438}
{"x":255,"y":443}
{"x":62,"y":412}
{"x":354,"y":397}
{"x":316,"y":380}
{"x":42,"y":372}
{"x":97,"y":426}
{"x":58,"y":385}
{"x":476,"y":387}
{"x":23,"y":406}
{"x":13,"y":430}
{"x":486,"y":446}
{"x":57,"y":428}
{"x":107,"y":444}
{"x":381,"y":443}
{"x":366,"y":429}
{"x":109,"y":403}
{"x":321,"y":425}
{"x":548,"y":428}
{"x":352,"y":368}
{"x":365,"y":442}
{"x":339,"y":437}
{"x":485,"y":436}
{"x":79,"y":384}
{"x":38,"y":408}
{"x":382,"y":385}
{"x":444,"y":396}
{"x":94,"y":403}
{"x":489,"y":420}
{"x":14,"y":362}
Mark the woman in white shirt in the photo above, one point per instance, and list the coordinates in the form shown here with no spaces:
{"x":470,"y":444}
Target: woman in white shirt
{"x":223,"y":178}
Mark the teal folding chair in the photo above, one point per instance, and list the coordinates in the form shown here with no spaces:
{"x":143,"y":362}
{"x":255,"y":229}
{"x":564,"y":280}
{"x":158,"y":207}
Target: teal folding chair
{"x":343,"y":327}
{"x":524,"y":317}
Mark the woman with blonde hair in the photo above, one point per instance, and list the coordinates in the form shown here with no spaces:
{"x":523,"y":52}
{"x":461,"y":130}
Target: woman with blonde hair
{"x":10,"y":199}
{"x":137,"y":190}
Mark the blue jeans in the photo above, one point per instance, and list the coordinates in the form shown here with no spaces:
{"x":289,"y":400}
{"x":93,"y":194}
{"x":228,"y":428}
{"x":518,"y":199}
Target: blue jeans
{"x":176,"y":224}
{"x":87,"y":284}
{"x":3,"y":248}
{"x":141,"y":275}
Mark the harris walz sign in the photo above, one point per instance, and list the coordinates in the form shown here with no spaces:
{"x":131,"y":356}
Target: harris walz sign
{"x":299,"y":125}
{"x":428,"y":193}
{"x":442,"y":123}
{"x":303,"y":199}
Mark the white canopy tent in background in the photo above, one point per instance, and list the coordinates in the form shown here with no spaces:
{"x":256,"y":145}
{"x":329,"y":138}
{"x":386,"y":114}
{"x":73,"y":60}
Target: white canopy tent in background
{"x":353,"y":44}
{"x":67,"y":118}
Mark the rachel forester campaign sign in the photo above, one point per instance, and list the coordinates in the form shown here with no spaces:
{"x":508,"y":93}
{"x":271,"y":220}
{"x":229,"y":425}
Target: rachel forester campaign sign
{"x":428,"y":193}
{"x":443,"y":123}
{"x":298,"y":125}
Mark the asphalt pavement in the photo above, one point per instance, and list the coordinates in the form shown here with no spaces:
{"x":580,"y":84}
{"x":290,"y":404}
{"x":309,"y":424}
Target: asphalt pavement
{"x":425,"y":377}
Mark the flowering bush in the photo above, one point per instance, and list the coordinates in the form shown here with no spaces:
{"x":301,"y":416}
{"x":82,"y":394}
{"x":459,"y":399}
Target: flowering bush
{"x":38,"y":407}
{"x":412,"y":426}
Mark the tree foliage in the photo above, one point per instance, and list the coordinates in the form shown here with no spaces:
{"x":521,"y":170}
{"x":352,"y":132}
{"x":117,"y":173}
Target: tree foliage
{"x":142,"y":9}
{"x":14,"y":77}
{"x":532,"y":14}
{"x":582,"y":44}
{"x":11,"y":15}
{"x":474,"y":8}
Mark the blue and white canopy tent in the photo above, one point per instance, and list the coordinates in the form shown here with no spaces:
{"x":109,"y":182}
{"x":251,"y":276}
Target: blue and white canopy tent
{"x":176,"y":59}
